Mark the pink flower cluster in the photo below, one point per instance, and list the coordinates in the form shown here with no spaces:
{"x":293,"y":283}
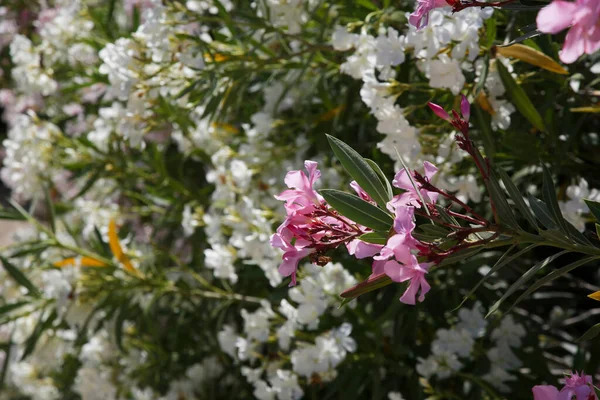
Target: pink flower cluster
{"x":577,"y":385}
{"x":583,"y":18}
{"x":312,"y":227}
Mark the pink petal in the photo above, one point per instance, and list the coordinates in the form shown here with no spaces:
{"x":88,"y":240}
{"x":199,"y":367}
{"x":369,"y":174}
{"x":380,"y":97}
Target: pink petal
{"x":409,"y":296}
{"x":402,"y":181}
{"x":313,"y":172}
{"x":465,"y":108}
{"x":574,"y":45}
{"x":360,"y":249}
{"x":430,"y":169}
{"x":404,"y":219}
{"x":378,"y":267}
{"x":397,"y":272}
{"x":556,"y":16}
{"x":439,"y":111}
{"x":545,"y":392}
{"x":296,"y":180}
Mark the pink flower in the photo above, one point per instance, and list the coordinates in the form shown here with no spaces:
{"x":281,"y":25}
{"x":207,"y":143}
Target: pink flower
{"x":291,"y":256}
{"x":411,"y":197}
{"x":409,"y":270}
{"x":402,"y":242}
{"x":301,"y":197}
{"x":578,"y":385}
{"x":583,"y":16}
{"x":361,"y":192}
{"x":420,"y":17}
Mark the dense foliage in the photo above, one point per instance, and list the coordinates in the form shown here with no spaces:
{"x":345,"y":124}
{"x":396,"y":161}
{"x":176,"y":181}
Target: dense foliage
{"x":148,"y":148}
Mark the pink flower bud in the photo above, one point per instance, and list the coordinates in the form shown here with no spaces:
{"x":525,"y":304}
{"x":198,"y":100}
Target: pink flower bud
{"x":439,"y":111}
{"x":465,"y":108}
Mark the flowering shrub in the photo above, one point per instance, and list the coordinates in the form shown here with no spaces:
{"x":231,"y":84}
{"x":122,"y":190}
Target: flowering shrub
{"x":190,"y":231}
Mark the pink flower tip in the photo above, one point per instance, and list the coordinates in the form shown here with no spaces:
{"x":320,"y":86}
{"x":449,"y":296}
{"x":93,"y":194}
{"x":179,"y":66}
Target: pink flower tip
{"x":465,"y":107}
{"x":439,"y":111}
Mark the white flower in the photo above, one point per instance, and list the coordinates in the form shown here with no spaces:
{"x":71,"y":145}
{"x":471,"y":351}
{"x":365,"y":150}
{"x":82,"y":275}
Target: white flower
{"x":390,"y":49}
{"x":466,"y":188}
{"x":509,"y":332}
{"x":285,"y":384}
{"x":220,"y":259}
{"x":227,"y":340}
{"x":395,"y":396}
{"x":343,"y":40}
{"x":445,"y":72}
{"x":472,"y":321}
{"x":95,"y":384}
{"x":257,"y":324}
{"x":457,"y":341}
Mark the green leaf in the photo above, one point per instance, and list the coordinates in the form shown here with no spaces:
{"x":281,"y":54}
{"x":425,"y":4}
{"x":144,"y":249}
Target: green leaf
{"x":517,"y":198}
{"x":359,"y":170}
{"x":19,"y":277}
{"x":523,"y":279}
{"x":590,"y":334}
{"x":490,"y":31}
{"x":598,"y":230}
{"x":541,"y":212}
{"x":6,"y":308}
{"x":487,"y":136}
{"x":51,"y":210}
{"x":552,"y":276}
{"x":367,"y":4}
{"x":520,"y":98}
{"x":549,"y":197}
{"x":384,"y":180}
{"x":594,"y":207}
{"x":370,"y":284}
{"x":39,"y":329}
{"x":503,"y":209}
{"x":502,"y":261}
{"x":7,"y":357}
{"x":6,"y":213}
{"x":358,"y":210}
{"x":375,"y":237}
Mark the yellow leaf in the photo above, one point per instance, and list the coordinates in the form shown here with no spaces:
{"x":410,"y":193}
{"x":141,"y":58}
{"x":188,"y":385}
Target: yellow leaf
{"x":226,"y":127}
{"x":81,"y":261}
{"x":329,"y":115}
{"x":595,"y":296}
{"x":117,"y":250}
{"x":531,"y":56}
{"x":590,"y":109}
{"x":484,"y":103}
{"x":216,"y":57}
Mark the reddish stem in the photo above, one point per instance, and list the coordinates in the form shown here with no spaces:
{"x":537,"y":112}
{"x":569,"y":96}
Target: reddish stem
{"x":459,"y":6}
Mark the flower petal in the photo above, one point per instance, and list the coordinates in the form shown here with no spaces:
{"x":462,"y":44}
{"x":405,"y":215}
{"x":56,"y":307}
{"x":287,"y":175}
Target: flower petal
{"x":556,"y":16}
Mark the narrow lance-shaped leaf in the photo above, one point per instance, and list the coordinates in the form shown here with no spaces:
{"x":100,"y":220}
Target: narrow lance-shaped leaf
{"x":358,"y":210}
{"x":502,"y":261}
{"x":375,"y":237}
{"x":531,"y":56}
{"x":541,"y":212}
{"x":523,"y":279}
{"x":359,"y":170}
{"x":517,"y":198}
{"x":520,"y":98}
{"x":594,"y":207}
{"x":549,"y":196}
{"x":590,"y":334}
{"x":552,"y":276}
{"x":595,"y":296}
{"x":19,"y":276}
{"x":503,"y":209}
{"x":384,"y":180}
{"x":370,"y":284}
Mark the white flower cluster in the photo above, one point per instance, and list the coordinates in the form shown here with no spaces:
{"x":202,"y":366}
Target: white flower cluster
{"x":444,"y":49}
{"x":315,"y":295}
{"x":453,"y":347}
{"x":574,"y":209}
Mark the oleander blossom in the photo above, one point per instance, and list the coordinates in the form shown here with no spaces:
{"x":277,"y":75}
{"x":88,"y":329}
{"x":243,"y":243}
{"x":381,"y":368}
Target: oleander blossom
{"x":583,"y":18}
{"x":311,"y":227}
{"x":420,"y":17}
{"x":577,"y":385}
